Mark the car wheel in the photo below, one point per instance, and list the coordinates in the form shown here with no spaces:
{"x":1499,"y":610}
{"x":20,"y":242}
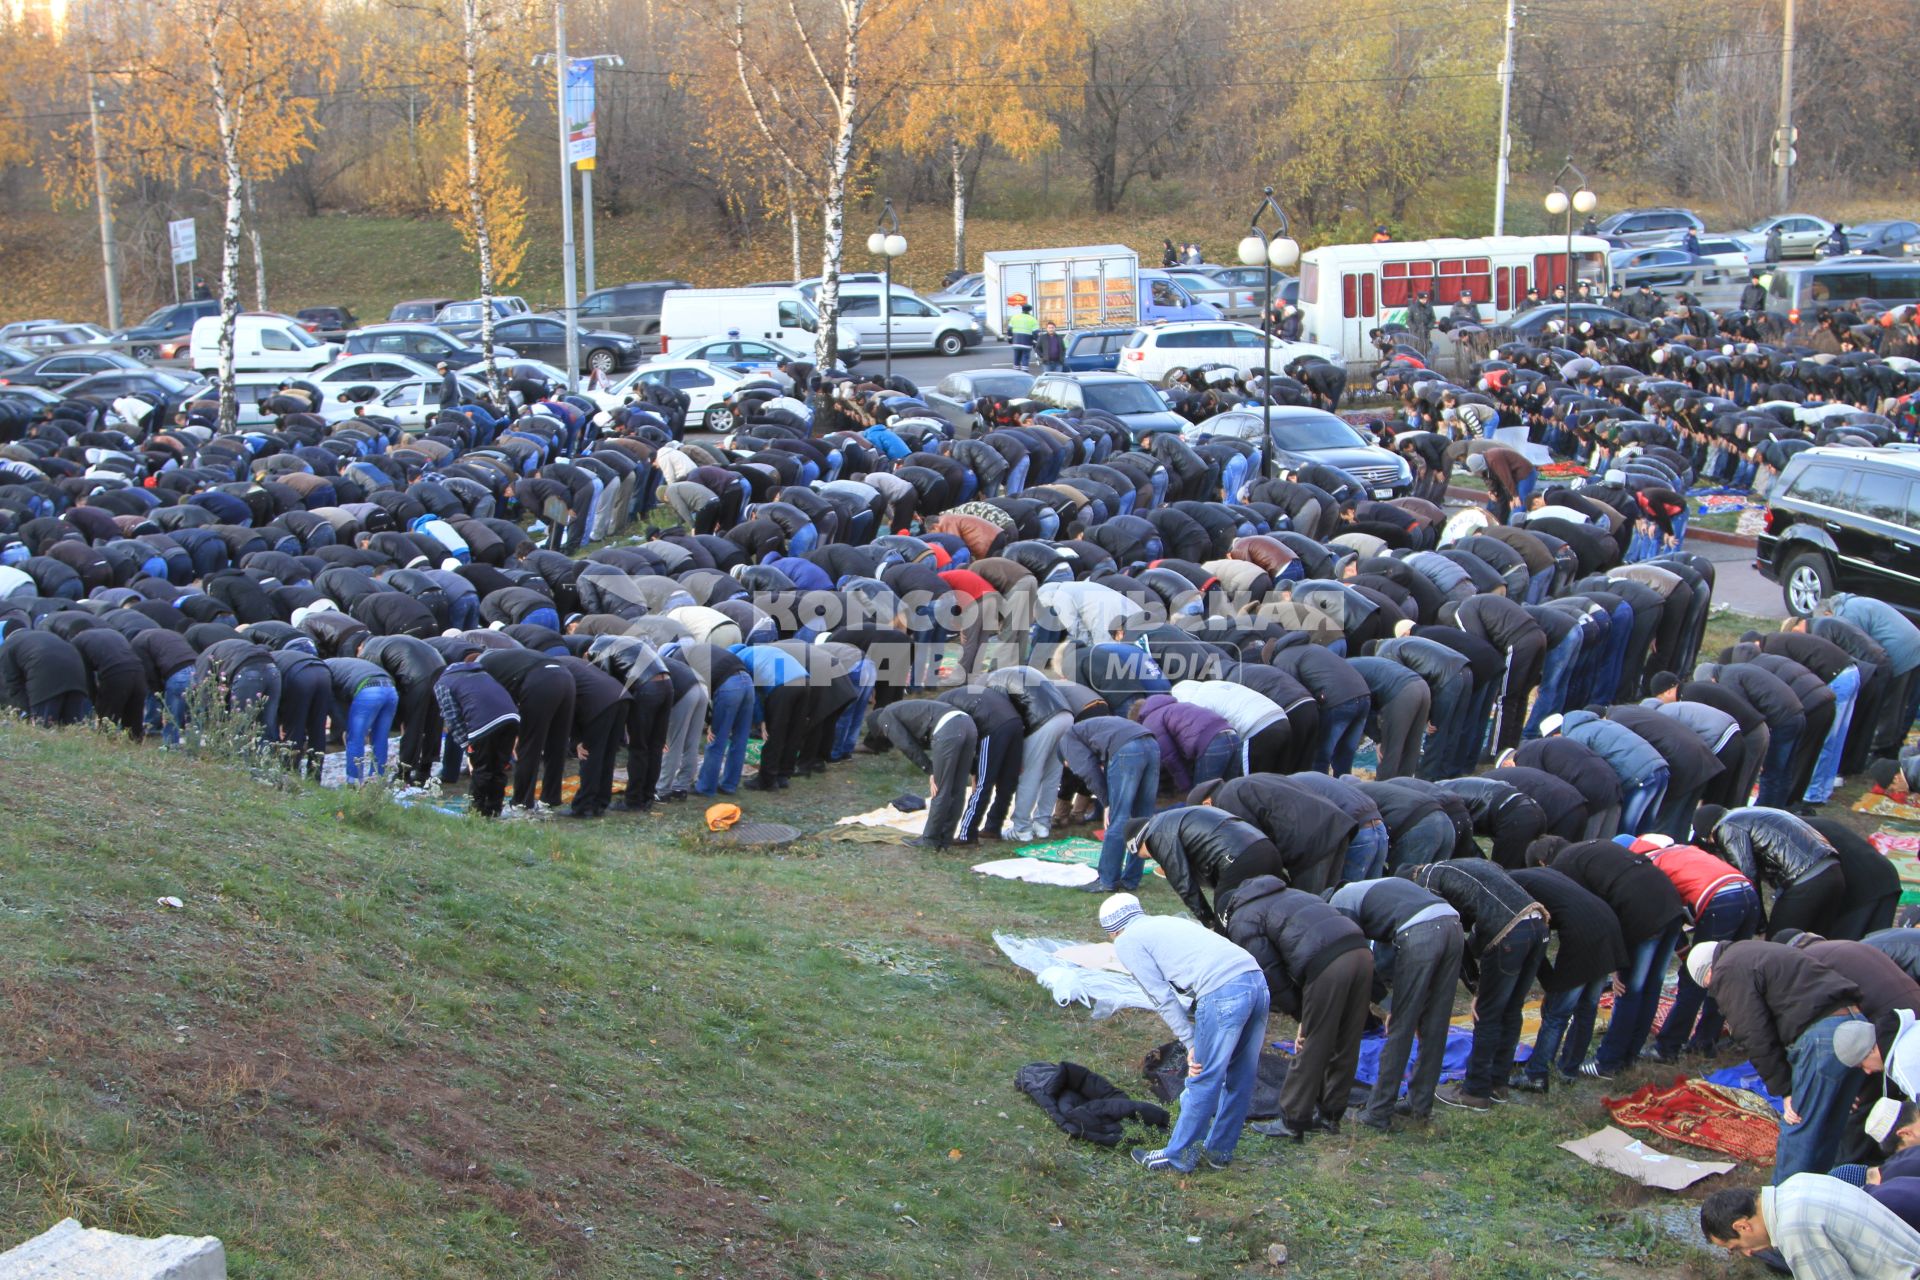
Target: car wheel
{"x":1805,"y":580}
{"x":600,"y":360}
{"x":950,"y":344}
{"x":142,"y":353}
{"x":719,"y":418}
{"x":1167,"y":378}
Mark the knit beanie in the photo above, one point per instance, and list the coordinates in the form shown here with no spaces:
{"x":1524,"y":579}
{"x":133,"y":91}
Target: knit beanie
{"x":1700,"y":960}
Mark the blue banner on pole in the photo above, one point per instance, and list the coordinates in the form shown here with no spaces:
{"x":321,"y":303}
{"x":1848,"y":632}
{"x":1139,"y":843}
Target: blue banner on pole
{"x":580,"y":134}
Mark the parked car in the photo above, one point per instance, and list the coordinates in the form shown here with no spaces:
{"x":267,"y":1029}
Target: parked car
{"x":1533,"y":325}
{"x":164,"y":334}
{"x":1132,"y":400}
{"x":63,"y":368}
{"x":11,"y":357}
{"x":952,"y":395}
{"x":1810,"y":286}
{"x":1158,"y":350}
{"x":743,"y":354}
{"x":329,"y":324}
{"x":1844,"y":519}
{"x":968,"y":294}
{"x":421,"y":341}
{"x":545,"y":338}
{"x":29,"y":400}
{"x":632,"y":309}
{"x":1662,"y":267}
{"x":1302,"y":435}
{"x":262,"y":342}
{"x":170,"y":388}
{"x":1801,"y":235}
{"x":462,"y":319}
{"x":915,"y":323}
{"x":417,"y":310}
{"x":44,"y":335}
{"x":1096,"y":350}
{"x":380,"y":373}
{"x":1286,"y":288}
{"x":707,"y":386}
{"x":774,"y":314}
{"x":1164,"y":298}
{"x":1893,"y":239}
{"x":1648,"y":226}
{"x":1232,"y":300}
{"x":416,"y":403}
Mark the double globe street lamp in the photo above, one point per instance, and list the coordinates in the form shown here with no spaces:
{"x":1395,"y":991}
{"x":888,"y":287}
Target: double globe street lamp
{"x":887,"y":244}
{"x":1271,"y":253}
{"x":1559,"y":201}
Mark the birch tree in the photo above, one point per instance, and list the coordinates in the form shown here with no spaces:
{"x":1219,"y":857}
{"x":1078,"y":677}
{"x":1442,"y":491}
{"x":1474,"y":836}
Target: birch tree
{"x":803,"y":76}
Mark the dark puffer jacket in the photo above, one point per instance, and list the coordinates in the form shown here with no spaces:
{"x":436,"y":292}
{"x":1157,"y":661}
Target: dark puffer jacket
{"x":1195,"y":846}
{"x":1083,"y":1103}
{"x":1293,"y":935}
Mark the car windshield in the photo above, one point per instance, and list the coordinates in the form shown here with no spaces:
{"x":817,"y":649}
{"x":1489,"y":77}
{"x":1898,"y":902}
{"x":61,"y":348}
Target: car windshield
{"x":1316,"y":433}
{"x":1123,"y":397}
{"x":1763,"y":224}
{"x":157,"y":317}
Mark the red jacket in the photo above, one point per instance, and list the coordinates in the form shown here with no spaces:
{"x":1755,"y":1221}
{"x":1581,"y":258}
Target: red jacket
{"x":968,"y":583}
{"x":1697,"y":874}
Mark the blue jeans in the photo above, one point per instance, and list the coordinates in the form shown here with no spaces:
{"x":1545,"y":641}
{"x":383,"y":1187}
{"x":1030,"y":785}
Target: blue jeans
{"x":732,"y":723}
{"x":1341,"y":727}
{"x":170,"y":710}
{"x":1229,"y":1028}
{"x":1731,"y":915}
{"x":1823,"y":1094}
{"x":846,"y":732}
{"x":1776,"y":774}
{"x":1499,"y":1003}
{"x":1217,"y":759}
{"x":1555,"y":671}
{"x":1566,"y":1028}
{"x":1538,"y":584}
{"x":1133,"y":781}
{"x":1634,"y":1011}
{"x":1366,"y":853}
{"x":1846,"y":691}
{"x":1641,"y":799}
{"x":370,"y":719}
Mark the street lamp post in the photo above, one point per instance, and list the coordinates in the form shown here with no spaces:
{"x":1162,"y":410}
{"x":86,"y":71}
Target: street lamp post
{"x":1559,"y":202}
{"x":886,"y":244}
{"x":1271,"y":254}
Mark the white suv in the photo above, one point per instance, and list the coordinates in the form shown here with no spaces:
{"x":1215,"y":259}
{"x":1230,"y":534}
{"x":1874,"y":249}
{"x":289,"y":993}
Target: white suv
{"x":1158,"y":350}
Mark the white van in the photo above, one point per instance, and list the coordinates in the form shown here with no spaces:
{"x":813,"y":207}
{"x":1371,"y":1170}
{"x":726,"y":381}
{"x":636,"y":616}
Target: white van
{"x":263,"y":342}
{"x":784,"y":316}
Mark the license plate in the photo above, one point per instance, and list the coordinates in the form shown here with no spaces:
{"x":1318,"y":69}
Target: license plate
{"x":1383,"y":493}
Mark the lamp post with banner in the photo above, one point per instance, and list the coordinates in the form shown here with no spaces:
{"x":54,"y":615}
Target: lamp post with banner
{"x":1560,"y":201}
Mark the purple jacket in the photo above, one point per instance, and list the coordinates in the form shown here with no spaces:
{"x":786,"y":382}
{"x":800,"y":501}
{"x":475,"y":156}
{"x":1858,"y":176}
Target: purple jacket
{"x":1183,"y":731}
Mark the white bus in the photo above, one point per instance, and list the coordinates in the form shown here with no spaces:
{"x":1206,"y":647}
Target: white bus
{"x":1348,"y":290}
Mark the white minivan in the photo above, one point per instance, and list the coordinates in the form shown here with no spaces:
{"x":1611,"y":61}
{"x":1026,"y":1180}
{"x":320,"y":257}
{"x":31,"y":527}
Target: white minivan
{"x":782,"y":315}
{"x":263,"y":342}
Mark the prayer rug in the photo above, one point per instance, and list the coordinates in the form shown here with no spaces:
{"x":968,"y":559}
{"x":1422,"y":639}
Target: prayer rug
{"x":1903,"y":851}
{"x":1712,"y":1117}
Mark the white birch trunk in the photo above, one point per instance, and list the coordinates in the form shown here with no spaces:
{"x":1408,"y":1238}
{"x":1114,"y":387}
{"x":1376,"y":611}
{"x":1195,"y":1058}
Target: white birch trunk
{"x":959,"y":204}
{"x":793,"y":230}
{"x":834,"y":208}
{"x":476,"y":198}
{"x":226,"y":118}
{"x":259,"y":256}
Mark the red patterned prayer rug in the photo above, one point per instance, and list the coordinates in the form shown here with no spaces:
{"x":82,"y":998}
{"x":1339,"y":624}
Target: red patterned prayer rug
{"x":1709,"y":1116}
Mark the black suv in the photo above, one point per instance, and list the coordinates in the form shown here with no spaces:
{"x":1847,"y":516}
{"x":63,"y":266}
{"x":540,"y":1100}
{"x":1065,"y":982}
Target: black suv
{"x":1845,"y":520}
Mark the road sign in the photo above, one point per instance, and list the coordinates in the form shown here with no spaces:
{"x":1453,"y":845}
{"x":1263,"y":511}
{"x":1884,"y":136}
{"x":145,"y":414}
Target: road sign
{"x":181,"y":236}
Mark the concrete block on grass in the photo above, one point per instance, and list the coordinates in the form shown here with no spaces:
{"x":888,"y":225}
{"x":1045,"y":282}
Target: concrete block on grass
{"x":69,"y":1251}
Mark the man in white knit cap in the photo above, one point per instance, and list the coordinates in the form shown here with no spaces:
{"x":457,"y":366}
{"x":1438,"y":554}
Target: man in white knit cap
{"x":1214,"y":998}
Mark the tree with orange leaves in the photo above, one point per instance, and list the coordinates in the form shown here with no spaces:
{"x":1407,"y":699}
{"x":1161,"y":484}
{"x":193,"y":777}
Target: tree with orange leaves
{"x":226,"y":89}
{"x":988,"y":67}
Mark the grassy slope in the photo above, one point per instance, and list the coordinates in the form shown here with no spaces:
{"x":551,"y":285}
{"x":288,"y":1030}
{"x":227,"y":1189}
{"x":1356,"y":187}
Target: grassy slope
{"x":387,"y":1042}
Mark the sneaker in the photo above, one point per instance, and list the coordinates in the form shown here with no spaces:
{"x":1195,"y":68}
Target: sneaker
{"x":1149,"y":1159}
{"x":1528,"y":1084}
{"x":1326,"y":1124}
{"x":1455,"y":1094}
{"x":1216,"y":1162}
{"x":1097,"y":887}
{"x":1665,"y":1057}
{"x":1384,"y":1125}
{"x":1499,"y":1093}
{"x":1591,"y":1070}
